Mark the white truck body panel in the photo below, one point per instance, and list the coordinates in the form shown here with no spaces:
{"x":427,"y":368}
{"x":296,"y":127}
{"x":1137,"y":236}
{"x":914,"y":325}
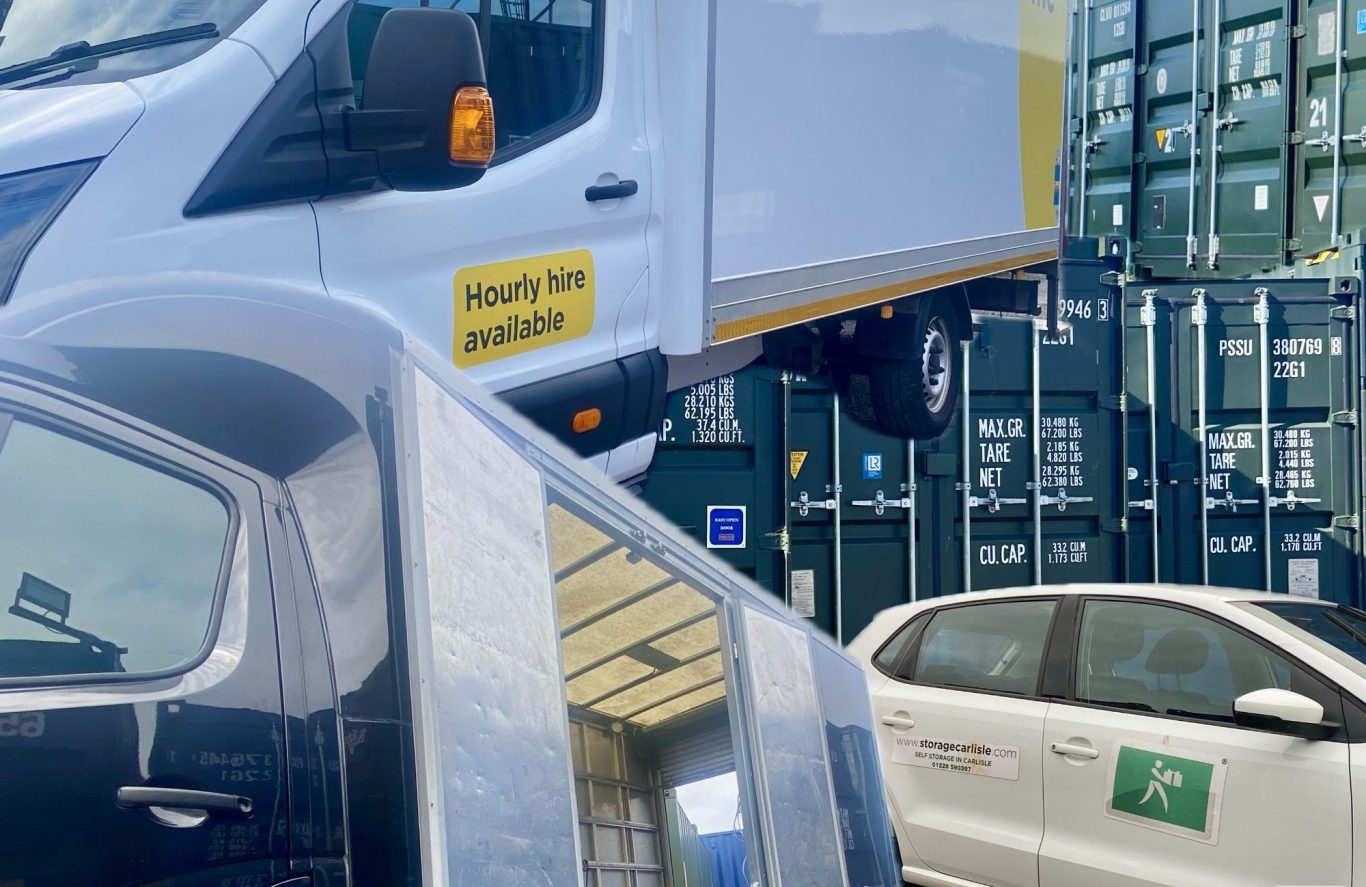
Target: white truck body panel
{"x":825,"y":193}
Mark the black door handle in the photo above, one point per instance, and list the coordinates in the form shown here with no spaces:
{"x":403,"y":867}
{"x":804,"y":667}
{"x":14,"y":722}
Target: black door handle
{"x":624,"y":188}
{"x":184,"y":799}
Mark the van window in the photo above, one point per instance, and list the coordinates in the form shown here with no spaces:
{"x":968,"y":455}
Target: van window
{"x":541,"y":58}
{"x":107,"y":565}
{"x":995,"y":646}
{"x":1152,"y":658}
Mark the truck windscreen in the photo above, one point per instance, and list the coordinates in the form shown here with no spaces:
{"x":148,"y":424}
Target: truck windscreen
{"x":50,"y":42}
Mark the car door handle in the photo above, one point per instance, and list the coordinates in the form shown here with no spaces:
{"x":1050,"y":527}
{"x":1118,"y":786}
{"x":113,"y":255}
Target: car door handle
{"x":624,"y":188}
{"x":183,"y":799}
{"x":895,"y":721}
{"x":1080,"y":751}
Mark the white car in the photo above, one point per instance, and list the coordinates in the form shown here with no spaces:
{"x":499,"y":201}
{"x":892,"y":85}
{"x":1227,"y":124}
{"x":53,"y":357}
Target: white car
{"x":1122,"y":735}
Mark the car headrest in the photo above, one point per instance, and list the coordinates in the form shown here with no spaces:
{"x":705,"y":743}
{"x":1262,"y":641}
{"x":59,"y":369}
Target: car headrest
{"x":1181,"y":651}
{"x":1114,"y":640}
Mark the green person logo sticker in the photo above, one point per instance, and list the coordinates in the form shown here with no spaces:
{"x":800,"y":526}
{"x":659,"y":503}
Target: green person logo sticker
{"x":1171,"y":793}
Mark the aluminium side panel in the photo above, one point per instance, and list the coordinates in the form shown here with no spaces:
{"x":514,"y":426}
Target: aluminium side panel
{"x":862,"y":152}
{"x":678,"y":126}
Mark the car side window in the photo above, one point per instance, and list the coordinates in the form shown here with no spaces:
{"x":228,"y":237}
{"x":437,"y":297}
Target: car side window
{"x":108,"y":566}
{"x":1153,"y":658}
{"x":541,"y":58}
{"x":996,"y":646}
{"x":886,"y":659}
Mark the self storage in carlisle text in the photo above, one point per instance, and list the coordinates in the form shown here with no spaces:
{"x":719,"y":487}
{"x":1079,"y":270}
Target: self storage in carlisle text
{"x":958,"y":756}
{"x":512,"y":307}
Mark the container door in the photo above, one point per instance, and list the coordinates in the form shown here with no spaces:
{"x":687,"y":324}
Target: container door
{"x":877,"y":522}
{"x":1267,"y":415}
{"x":1107,"y":37}
{"x":720,"y":456}
{"x":1331,"y":125}
{"x":1172,"y":117}
{"x":813,"y":484}
{"x":1247,"y":144}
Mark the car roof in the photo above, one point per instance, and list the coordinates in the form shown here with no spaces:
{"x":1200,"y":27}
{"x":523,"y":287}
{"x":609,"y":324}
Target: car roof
{"x":1195,"y":595}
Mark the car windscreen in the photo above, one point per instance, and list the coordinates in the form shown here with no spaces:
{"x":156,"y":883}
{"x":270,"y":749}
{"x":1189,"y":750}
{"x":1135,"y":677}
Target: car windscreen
{"x":63,"y":42}
{"x":1337,"y":631}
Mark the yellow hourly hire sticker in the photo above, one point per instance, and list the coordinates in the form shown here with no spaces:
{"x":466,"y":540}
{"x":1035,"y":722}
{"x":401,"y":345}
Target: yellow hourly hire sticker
{"x":512,"y":307}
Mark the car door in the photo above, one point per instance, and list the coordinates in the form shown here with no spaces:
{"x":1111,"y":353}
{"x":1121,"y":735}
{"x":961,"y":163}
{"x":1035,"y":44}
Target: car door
{"x":960,"y":724}
{"x":535,"y":270}
{"x":1149,"y":782}
{"x":141,"y":729}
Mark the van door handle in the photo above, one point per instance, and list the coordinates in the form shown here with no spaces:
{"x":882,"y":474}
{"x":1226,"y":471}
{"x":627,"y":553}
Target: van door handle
{"x":624,"y":188}
{"x":1080,"y":751}
{"x":897,"y":721}
{"x":183,"y":799}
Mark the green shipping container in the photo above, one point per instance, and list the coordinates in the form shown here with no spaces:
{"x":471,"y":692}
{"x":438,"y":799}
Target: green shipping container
{"x":1247,"y":132}
{"x":1049,"y":473}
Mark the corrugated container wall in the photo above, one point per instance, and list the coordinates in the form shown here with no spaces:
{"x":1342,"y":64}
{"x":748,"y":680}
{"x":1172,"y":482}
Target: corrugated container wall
{"x":1049,"y":473}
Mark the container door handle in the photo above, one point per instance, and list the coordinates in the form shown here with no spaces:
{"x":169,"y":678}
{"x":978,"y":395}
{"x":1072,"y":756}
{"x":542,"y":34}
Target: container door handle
{"x":624,"y":188}
{"x":901,"y":721}
{"x":183,"y":799}
{"x":1080,"y":751}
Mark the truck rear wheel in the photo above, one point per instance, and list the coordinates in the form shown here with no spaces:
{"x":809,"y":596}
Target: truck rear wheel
{"x":915,"y":397}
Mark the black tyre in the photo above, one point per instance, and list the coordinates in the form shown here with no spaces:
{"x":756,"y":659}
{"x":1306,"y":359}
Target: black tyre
{"x":915,"y":398}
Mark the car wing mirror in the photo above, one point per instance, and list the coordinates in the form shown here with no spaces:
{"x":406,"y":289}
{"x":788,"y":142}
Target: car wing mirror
{"x":426,"y":110}
{"x":1282,"y":711}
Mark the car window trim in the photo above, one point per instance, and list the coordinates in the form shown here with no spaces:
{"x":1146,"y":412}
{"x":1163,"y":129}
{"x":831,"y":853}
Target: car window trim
{"x":61,"y":417}
{"x":912,"y":654}
{"x":912,"y":639}
{"x":1333,"y":687}
{"x":568,"y":124}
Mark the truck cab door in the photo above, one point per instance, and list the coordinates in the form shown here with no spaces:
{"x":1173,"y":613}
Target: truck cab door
{"x":538,"y":269}
{"x":141,"y":729}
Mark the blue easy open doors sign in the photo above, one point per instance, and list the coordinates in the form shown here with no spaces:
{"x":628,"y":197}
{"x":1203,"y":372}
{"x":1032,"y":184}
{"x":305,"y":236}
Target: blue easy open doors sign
{"x":725,"y":526}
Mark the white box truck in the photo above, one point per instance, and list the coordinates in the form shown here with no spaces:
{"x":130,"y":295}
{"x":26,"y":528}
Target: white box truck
{"x":288,"y":603}
{"x":584,"y":203}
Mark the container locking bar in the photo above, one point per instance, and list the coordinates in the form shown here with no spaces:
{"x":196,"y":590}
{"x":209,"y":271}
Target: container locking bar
{"x":1290,"y":500}
{"x":881,"y":503}
{"x":992,"y":501}
{"x":1062,"y":500}
{"x":805,"y":504}
{"x":1228,"y":502}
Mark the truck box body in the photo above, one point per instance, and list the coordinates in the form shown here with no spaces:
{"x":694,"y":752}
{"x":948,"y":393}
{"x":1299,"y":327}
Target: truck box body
{"x":851,"y":155}
{"x":432,"y":648}
{"x":665,"y":177}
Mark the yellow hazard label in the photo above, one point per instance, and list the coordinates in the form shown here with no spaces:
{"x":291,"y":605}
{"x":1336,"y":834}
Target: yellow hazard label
{"x":1162,"y":139}
{"x":795,"y":460}
{"x":508,"y":308}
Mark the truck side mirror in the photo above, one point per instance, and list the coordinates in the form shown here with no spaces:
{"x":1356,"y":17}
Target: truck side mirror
{"x":426,"y":111}
{"x":1282,"y":711}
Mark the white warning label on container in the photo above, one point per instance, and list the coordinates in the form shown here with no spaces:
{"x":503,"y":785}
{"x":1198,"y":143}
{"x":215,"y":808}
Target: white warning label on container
{"x":1261,"y":199}
{"x":1304,"y":577}
{"x":958,"y":756}
{"x":1117,"y":215}
{"x":1328,"y":33}
{"x":803,"y":585}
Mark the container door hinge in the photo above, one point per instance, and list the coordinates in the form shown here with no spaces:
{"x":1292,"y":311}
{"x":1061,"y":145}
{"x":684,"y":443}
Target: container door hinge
{"x":1111,"y":278}
{"x":782,"y":541}
{"x":735,"y":651}
{"x":1347,"y":522}
{"x":1345,"y":417}
{"x":1294,"y":138}
{"x":1297,"y":32}
{"x":1140,"y":157}
{"x":1343,"y":312}
{"x":1115,"y":525}
{"x":1291,"y":245}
